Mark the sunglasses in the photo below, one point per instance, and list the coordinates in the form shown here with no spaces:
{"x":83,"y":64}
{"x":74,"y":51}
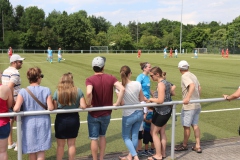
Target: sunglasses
{"x":42,"y":76}
{"x":19,"y":61}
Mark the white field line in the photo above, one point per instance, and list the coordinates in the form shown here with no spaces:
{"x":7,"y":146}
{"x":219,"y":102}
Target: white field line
{"x":118,"y":119}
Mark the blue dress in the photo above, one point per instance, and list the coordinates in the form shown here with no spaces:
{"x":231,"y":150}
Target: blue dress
{"x":36,"y":130}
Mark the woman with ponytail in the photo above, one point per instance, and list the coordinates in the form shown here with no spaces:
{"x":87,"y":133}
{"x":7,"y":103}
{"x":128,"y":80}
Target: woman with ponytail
{"x":131,"y":117}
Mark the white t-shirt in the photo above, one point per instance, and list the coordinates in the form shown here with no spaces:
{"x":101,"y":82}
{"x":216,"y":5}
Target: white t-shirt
{"x":131,"y":96}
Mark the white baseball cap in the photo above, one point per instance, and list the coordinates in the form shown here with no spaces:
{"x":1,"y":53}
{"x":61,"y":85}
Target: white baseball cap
{"x":16,"y":57}
{"x":183,"y":65}
{"x":98,"y":61}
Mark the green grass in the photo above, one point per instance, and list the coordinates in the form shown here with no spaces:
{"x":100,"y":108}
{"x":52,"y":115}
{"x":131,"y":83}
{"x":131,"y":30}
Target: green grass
{"x":217,"y":76}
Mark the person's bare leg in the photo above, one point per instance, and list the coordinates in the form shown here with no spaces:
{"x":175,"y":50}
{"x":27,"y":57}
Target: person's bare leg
{"x":32,"y":156}
{"x":197,"y":135}
{"x":156,"y":140}
{"x":71,"y":148}
{"x":163,"y":139}
{"x":40,"y":155}
{"x":187,"y":132}
{"x":102,"y":146}
{"x":60,"y":148}
{"x":94,"y":148}
{"x":3,"y":149}
{"x":10,"y":139}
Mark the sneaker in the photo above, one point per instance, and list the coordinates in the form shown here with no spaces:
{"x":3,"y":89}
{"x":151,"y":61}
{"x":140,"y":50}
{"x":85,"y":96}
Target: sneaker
{"x":16,"y":149}
{"x":142,"y":153}
{"x":151,"y":151}
{"x":12,"y":146}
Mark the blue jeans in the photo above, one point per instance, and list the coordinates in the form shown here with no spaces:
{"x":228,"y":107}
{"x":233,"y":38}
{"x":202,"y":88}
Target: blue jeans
{"x":97,"y":126}
{"x":130,"y":128}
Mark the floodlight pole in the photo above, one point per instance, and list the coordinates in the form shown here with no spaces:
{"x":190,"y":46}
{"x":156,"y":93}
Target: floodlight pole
{"x":181,"y":30}
{"x":137,"y":31}
{"x":2,"y":23}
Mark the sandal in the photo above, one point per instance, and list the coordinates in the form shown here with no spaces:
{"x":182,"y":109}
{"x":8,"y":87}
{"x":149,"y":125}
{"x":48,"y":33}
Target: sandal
{"x":153,"y":158}
{"x":123,"y":158}
{"x":198,"y":150}
{"x":181,"y":147}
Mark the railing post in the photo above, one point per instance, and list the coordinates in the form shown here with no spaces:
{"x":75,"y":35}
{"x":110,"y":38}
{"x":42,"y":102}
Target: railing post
{"x":173,"y":131}
{"x":19,"y":137}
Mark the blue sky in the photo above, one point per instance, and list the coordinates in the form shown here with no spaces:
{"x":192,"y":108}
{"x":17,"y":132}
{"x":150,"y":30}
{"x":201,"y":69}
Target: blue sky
{"x":194,"y":11}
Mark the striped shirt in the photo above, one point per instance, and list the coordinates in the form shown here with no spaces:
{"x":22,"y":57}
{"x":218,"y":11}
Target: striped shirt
{"x":11,"y":74}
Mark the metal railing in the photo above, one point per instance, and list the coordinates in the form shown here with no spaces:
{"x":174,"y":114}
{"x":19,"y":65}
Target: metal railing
{"x":174,"y":103}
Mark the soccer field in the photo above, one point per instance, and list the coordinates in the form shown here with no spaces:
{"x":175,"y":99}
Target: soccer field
{"x":217,"y":76}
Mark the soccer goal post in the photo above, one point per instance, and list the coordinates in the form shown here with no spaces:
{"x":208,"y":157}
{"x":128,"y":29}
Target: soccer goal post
{"x":98,"y":49}
{"x":200,"y":50}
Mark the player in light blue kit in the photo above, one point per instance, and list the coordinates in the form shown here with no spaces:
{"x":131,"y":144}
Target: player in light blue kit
{"x":176,"y":53}
{"x":59,"y":55}
{"x":165,"y":52}
{"x":50,"y":54}
{"x":195,"y":54}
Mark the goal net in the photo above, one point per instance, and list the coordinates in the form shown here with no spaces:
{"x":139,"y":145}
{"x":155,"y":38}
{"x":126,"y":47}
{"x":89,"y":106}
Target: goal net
{"x":98,"y":49}
{"x":200,"y":50}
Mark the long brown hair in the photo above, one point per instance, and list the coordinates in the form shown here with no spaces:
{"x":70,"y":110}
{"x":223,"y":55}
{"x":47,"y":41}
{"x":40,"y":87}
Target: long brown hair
{"x":124,"y":72}
{"x":67,"y":92}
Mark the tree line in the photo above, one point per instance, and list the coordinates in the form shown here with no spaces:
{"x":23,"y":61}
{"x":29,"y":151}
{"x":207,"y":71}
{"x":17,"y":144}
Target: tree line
{"x":30,"y":28}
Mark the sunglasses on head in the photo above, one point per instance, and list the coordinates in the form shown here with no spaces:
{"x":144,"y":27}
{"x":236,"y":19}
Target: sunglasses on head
{"x":41,"y":75}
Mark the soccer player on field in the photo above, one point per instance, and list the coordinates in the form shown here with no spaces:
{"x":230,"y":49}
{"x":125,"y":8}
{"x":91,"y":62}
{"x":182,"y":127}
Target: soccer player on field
{"x":139,"y":53}
{"x":59,"y":55}
{"x":10,"y":52}
{"x":222,"y":53}
{"x":227,"y":53}
{"x":49,"y":55}
{"x":170,"y":53}
{"x":175,"y":56}
{"x":165,"y":52}
{"x":195,"y":54}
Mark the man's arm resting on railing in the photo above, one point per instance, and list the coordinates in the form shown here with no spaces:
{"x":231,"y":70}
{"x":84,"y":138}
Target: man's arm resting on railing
{"x":89,"y":95}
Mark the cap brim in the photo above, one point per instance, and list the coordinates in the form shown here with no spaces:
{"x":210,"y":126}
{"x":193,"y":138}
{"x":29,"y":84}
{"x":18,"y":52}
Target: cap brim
{"x":104,"y":58}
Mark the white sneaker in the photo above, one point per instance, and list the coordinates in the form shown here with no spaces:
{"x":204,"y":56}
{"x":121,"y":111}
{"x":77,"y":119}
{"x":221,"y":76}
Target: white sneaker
{"x":16,"y":149}
{"x":12,"y":146}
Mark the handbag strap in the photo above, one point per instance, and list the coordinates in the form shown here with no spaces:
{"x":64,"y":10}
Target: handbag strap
{"x":32,"y":95}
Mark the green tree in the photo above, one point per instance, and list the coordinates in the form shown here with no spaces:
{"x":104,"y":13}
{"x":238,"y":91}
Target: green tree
{"x":100,"y":39}
{"x":32,"y":18}
{"x":149,"y":42}
{"x":197,"y":36}
{"x":120,"y":36}
{"x":188,"y":46}
{"x":51,"y":20}
{"x":100,"y":24}
{"x":18,"y":13}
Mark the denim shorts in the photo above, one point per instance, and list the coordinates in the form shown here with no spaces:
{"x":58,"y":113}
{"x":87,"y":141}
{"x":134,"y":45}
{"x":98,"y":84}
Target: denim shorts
{"x":97,"y":126}
{"x":4,"y":131}
{"x":190,"y":117}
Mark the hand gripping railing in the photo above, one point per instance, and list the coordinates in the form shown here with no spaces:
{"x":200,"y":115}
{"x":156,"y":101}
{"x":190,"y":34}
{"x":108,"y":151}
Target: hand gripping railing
{"x":174,"y":103}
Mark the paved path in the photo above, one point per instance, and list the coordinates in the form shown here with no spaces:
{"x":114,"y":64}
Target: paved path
{"x":225,"y":149}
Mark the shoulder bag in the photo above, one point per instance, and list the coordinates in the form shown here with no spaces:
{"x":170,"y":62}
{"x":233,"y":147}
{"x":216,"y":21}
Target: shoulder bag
{"x":40,"y":103}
